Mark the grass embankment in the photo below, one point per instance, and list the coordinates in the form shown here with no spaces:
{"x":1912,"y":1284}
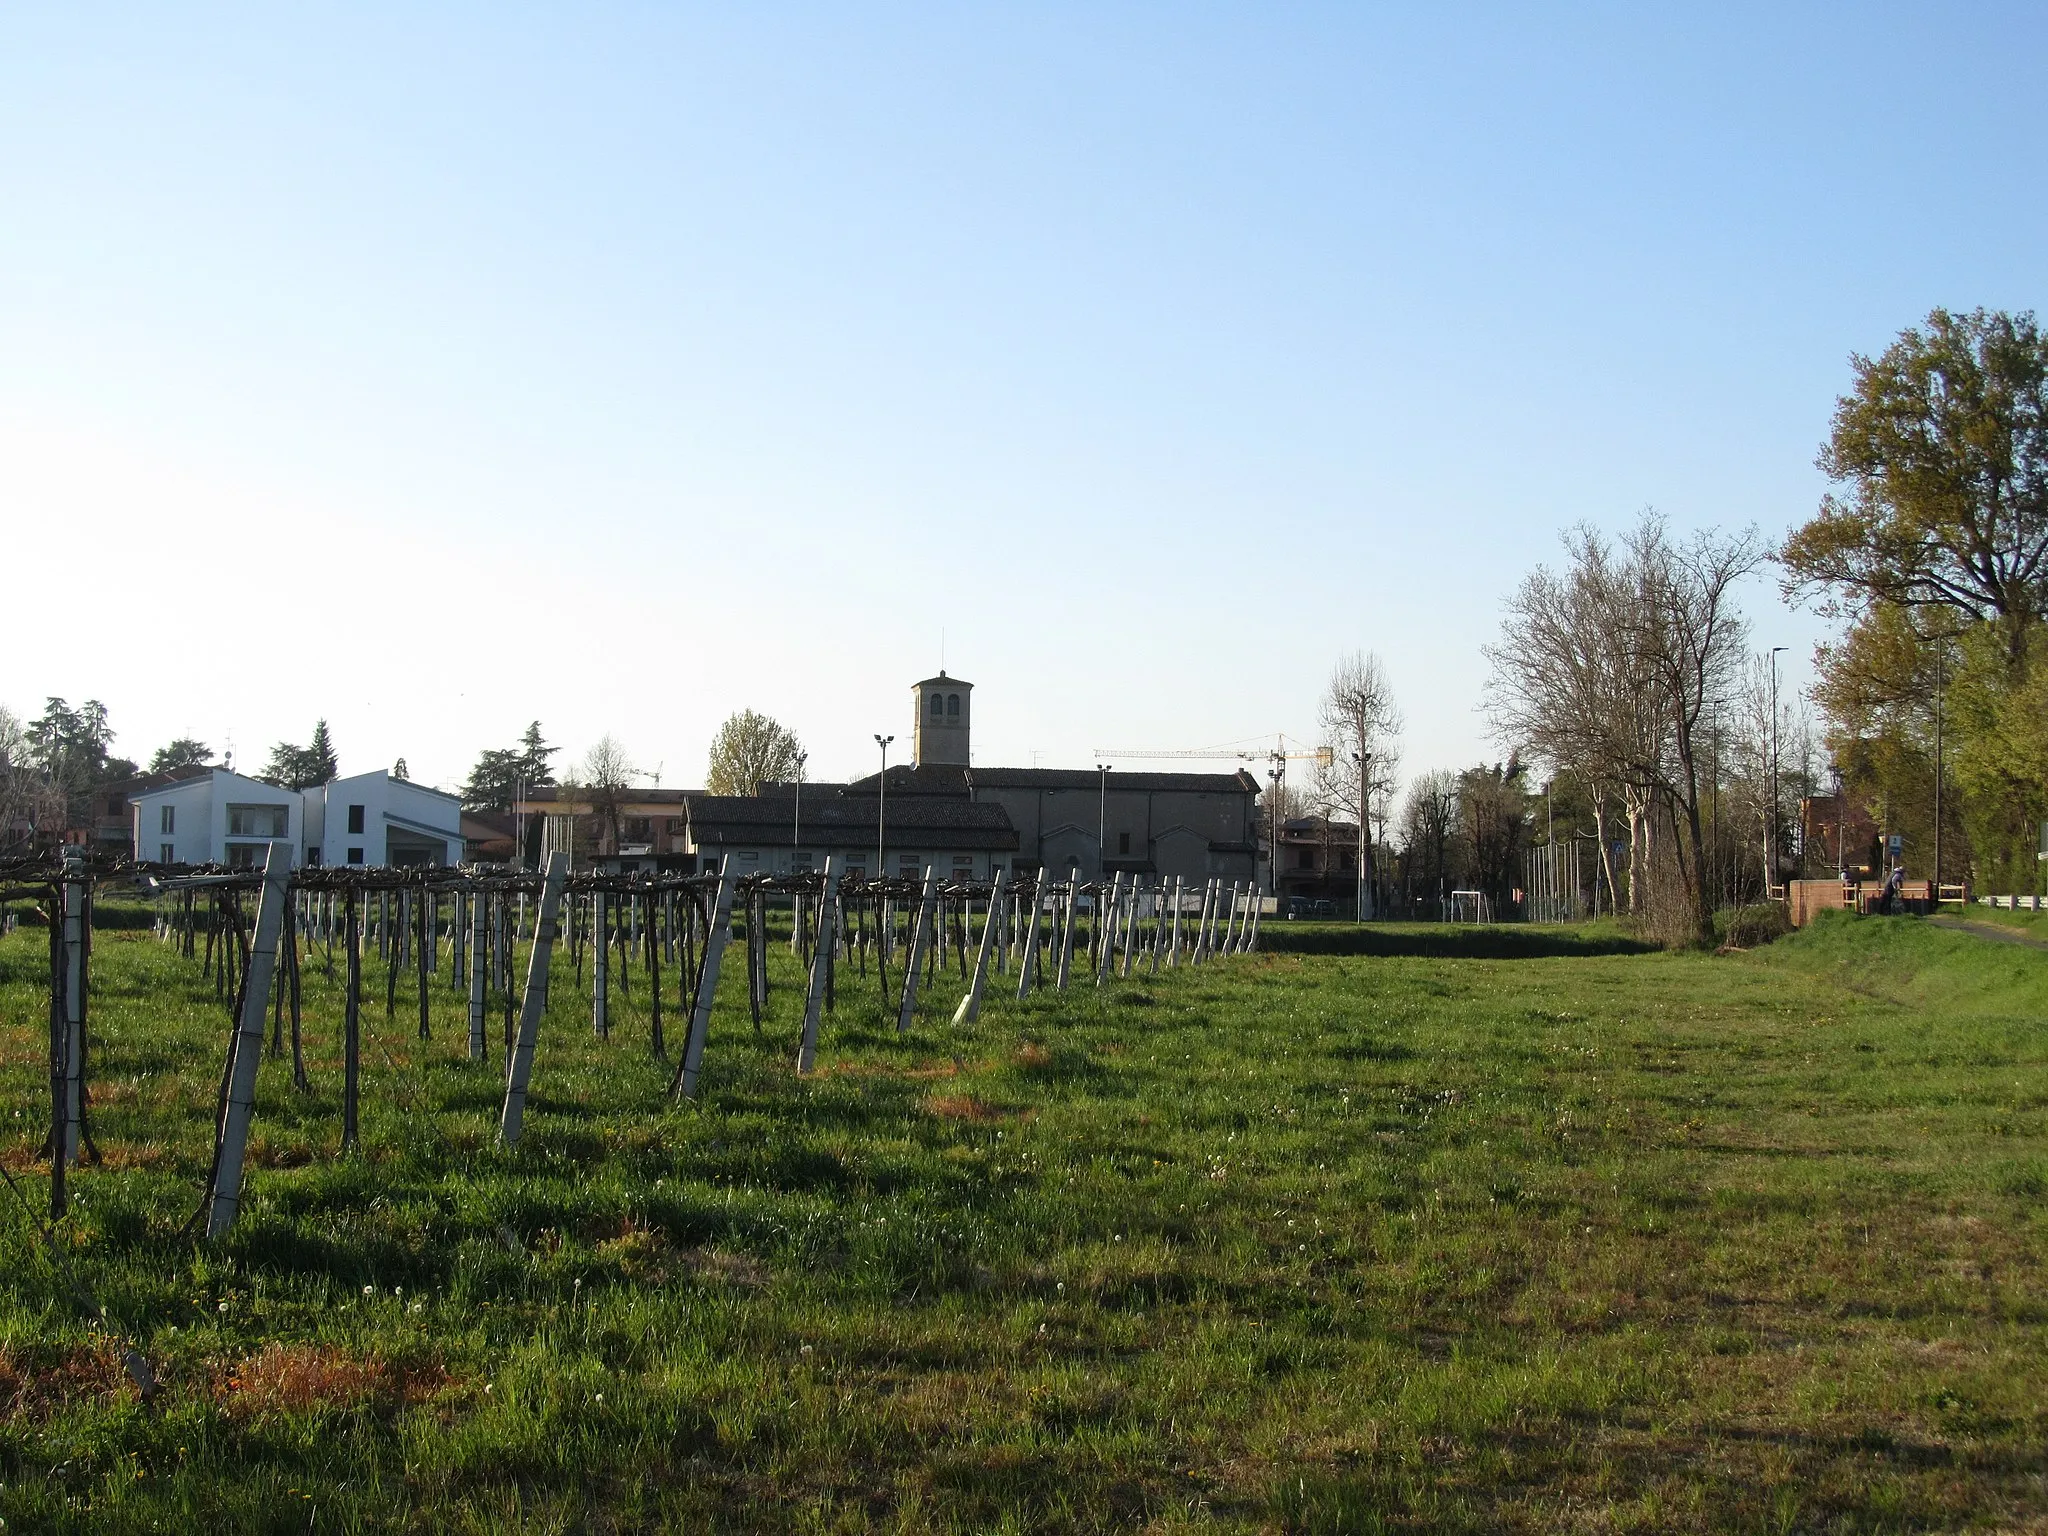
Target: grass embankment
{"x":1557,"y":1241}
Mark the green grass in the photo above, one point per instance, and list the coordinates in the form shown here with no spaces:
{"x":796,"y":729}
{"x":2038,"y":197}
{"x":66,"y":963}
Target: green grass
{"x":1471,"y":1233}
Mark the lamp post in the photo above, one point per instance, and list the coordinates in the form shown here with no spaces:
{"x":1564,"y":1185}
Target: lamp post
{"x":882,"y":810}
{"x":796,"y":827}
{"x":1940,"y":684}
{"x":1102,"y":821}
{"x":1771,"y":842}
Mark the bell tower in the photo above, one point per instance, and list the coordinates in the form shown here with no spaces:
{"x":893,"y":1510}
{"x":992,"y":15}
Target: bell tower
{"x":939,"y":733}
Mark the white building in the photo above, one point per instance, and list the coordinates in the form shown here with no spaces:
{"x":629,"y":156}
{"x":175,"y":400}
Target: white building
{"x":373,"y":818}
{"x":226,"y":818}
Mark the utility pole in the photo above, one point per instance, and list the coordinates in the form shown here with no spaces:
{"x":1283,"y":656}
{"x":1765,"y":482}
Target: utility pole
{"x":1276,"y":773}
{"x":1102,"y":821}
{"x":1358,"y":896}
{"x":882,"y":810}
{"x":1771,"y":841}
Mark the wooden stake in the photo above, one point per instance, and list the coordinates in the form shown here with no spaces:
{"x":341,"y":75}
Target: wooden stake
{"x":715,"y":940}
{"x":519,"y":1060}
{"x":920,"y":934}
{"x":246,"y":1046}
{"x":821,"y":964}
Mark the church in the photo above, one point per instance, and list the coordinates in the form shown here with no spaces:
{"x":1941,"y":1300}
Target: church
{"x":1149,"y":825}
{"x":940,"y":810}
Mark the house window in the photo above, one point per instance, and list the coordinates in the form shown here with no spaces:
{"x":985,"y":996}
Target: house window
{"x":167,"y":820}
{"x":355,"y":855}
{"x":247,"y":855}
{"x":1123,"y":842}
{"x":313,"y":857}
{"x":953,"y":706}
{"x":906,"y":863}
{"x":1306,"y":859}
{"x":963,"y":866}
{"x":355,"y":821}
{"x":938,"y":705}
{"x":167,"y":854}
{"x":639,"y":828}
{"x":113,"y":805}
{"x":750,"y":857}
{"x":799,"y":860}
{"x":258,"y":821}
{"x":676,"y":826}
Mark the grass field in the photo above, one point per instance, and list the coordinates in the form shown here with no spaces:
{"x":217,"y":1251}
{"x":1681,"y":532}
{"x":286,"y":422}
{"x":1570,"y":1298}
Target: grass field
{"x":1495,"y":1231}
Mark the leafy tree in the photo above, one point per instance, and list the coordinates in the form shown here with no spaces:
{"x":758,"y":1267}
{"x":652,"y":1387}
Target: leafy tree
{"x":533,"y":758}
{"x":69,"y":748}
{"x":185,"y":752}
{"x":499,"y":773}
{"x":1936,"y":552}
{"x":1493,"y":823}
{"x":749,"y":750}
{"x":1941,"y":449}
{"x":295,"y":767}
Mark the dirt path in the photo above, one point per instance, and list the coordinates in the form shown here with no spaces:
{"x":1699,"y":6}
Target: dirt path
{"x":1989,"y":931}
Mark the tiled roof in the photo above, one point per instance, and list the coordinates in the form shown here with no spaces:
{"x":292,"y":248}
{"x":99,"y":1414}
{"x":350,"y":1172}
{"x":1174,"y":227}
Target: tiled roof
{"x":850,"y":822}
{"x":1239,"y":783}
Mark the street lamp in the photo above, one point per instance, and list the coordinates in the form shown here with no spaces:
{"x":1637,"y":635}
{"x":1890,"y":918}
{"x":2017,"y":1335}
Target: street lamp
{"x":1102,"y":821}
{"x":882,"y":810}
{"x":796,"y":828}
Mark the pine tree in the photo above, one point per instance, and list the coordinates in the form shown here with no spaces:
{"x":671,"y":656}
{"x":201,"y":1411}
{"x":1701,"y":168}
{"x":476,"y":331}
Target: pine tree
{"x":320,"y":763}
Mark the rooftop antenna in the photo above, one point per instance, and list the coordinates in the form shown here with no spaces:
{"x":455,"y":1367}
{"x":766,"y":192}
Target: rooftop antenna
{"x":942,"y":650}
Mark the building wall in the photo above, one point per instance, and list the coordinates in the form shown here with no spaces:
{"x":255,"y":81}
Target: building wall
{"x":436,"y":820}
{"x":1068,"y":828}
{"x":203,"y":811}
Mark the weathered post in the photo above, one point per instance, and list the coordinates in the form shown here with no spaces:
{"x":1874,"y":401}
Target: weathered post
{"x":1072,"y":897}
{"x":1251,"y":941}
{"x":246,"y":1049}
{"x":69,"y":1033}
{"x":920,"y":935}
{"x":1135,"y":917}
{"x":519,"y":1060}
{"x":715,"y":939}
{"x":352,"y":1019}
{"x":600,"y":965}
{"x":1027,"y":961}
{"x":821,"y":964}
{"x":1106,"y":917}
{"x":970,"y":1005}
{"x":479,"y":916}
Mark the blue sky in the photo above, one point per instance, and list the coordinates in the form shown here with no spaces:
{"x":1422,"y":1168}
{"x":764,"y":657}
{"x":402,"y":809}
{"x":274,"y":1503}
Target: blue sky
{"x":436,"y":368}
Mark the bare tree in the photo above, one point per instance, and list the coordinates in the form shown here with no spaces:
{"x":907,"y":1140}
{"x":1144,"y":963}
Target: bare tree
{"x":1692,"y":640}
{"x":1619,"y":671}
{"x":1567,"y":689}
{"x":1362,"y":729}
{"x":607,"y":774}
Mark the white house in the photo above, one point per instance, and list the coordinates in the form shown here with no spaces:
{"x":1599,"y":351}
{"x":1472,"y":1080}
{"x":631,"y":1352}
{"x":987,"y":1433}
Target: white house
{"x":373,"y":818}
{"x":226,"y":818}
{"x":217,"y":818}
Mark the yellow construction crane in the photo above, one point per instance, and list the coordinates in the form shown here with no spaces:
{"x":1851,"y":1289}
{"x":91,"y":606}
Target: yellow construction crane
{"x":1278,"y":755}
